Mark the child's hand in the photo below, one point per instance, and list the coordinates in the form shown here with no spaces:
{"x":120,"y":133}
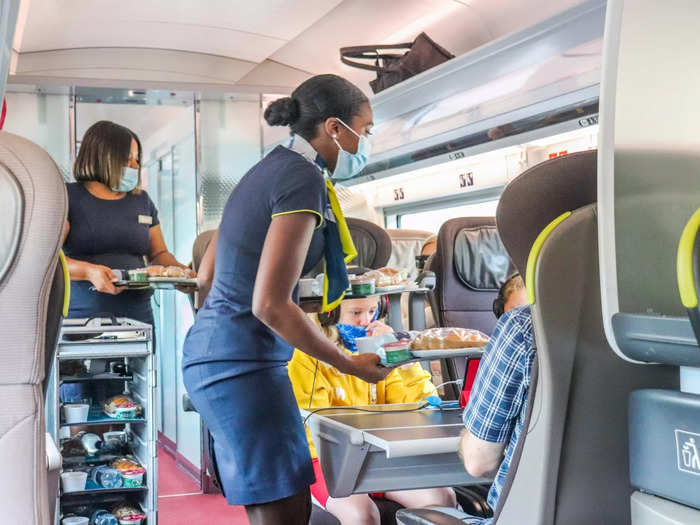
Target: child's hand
{"x":379,"y":328}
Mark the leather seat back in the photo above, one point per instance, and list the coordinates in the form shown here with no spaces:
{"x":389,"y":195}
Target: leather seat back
{"x":470,"y":265}
{"x":34,"y":203}
{"x":372,"y":242}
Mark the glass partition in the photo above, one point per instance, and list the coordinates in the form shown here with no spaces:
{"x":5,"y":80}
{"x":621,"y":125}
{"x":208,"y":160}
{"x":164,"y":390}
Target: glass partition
{"x":45,"y":120}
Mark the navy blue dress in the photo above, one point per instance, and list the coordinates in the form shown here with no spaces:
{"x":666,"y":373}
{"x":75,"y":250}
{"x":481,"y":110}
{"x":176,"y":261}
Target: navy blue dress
{"x":234,"y":367}
{"x":113,"y":233}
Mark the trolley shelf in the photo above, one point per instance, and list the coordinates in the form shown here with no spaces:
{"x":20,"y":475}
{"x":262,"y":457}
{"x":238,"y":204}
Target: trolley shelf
{"x":97,"y":417}
{"x":107,"y":376}
{"x":92,"y":488}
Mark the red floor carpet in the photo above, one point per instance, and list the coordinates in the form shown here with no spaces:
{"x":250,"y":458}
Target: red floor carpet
{"x":180,"y":502}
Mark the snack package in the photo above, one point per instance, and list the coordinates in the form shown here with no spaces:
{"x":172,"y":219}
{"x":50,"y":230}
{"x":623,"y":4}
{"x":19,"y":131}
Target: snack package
{"x":155,"y":271}
{"x":168,"y":271}
{"x":128,"y":514}
{"x":387,"y":277}
{"x":121,"y":407}
{"x":132,"y":473}
{"x":448,"y":338}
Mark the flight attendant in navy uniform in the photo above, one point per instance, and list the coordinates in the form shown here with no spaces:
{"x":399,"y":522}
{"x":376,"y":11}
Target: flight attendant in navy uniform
{"x":112,"y":224}
{"x":280,"y":220}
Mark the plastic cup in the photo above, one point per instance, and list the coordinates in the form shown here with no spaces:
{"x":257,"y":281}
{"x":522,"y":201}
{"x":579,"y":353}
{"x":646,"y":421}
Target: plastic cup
{"x":133,"y":478}
{"x":367,"y":345}
{"x":76,"y":412}
{"x":307,"y":287}
{"x":73,"y":481}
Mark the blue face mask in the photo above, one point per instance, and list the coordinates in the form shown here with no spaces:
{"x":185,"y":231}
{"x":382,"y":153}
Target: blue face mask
{"x":130,"y":178}
{"x":350,"y":164}
{"x":349,"y":333}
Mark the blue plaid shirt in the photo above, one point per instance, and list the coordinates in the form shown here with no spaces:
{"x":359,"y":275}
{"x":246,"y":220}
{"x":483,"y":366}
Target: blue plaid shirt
{"x":499,"y":396}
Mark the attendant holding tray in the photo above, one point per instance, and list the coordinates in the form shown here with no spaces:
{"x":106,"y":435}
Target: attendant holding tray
{"x":112,"y":223}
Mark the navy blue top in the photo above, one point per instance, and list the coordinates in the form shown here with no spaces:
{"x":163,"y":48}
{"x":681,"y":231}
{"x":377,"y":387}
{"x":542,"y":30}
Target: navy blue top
{"x":225,"y":328}
{"x":113,"y":233}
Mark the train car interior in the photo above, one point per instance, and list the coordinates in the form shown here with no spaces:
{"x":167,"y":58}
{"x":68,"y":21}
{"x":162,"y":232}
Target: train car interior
{"x":506,"y":205}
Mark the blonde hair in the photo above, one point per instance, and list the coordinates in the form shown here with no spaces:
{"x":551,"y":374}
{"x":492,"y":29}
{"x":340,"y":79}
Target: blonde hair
{"x":512,"y":285}
{"x":330,"y":331}
{"x":104,"y":151}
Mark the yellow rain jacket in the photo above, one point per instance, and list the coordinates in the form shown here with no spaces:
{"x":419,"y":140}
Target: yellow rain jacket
{"x":406,"y":384}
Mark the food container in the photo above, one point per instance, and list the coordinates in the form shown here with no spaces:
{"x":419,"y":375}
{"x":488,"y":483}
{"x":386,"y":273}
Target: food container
{"x":133,"y":478}
{"x":102,"y":517}
{"x":448,"y":338}
{"x":131,"y":519}
{"x":362,"y":285}
{"x":73,"y":481}
{"x":307,"y":287}
{"x":75,"y":412}
{"x":107,"y":477}
{"x":397,"y":352}
{"x":114,"y":435}
{"x":140,"y":275}
{"x":75,"y":520}
{"x":131,"y":472}
{"x":121,"y":407}
{"x":123,"y":412}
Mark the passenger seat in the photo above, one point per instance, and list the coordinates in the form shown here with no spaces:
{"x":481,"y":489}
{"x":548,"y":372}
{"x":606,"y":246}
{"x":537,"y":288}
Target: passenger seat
{"x":470,"y":265}
{"x":32,"y":300}
{"x":571,"y":467}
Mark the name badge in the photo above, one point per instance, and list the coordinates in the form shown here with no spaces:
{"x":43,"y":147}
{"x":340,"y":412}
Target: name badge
{"x":145,"y":219}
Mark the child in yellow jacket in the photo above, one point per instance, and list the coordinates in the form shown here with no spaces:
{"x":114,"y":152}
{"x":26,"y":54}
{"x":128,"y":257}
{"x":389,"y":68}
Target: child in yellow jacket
{"x":319,"y":385}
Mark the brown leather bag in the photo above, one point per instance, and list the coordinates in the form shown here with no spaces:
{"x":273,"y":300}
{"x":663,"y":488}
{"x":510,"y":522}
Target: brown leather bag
{"x":423,"y":53}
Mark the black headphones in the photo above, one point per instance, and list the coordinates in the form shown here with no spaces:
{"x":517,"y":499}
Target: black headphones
{"x":499,"y":303}
{"x":332,"y":317}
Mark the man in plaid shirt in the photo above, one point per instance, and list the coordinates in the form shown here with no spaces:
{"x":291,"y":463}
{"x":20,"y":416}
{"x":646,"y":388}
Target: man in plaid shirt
{"x":494,"y":416}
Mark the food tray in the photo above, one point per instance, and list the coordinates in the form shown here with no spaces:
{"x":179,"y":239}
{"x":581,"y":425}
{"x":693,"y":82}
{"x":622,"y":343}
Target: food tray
{"x":474,"y":351}
{"x":158,"y":283}
{"x":392,"y":288}
{"x":134,"y":285}
{"x":175,"y":280}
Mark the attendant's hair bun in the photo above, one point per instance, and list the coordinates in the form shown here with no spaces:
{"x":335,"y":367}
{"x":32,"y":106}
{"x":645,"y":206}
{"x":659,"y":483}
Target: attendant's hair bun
{"x":282,"y":112}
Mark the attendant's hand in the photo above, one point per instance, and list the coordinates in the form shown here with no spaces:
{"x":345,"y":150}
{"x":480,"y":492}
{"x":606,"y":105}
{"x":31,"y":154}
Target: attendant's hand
{"x":102,"y":278}
{"x":188,"y":288}
{"x":366,"y":367}
{"x":379,"y":328}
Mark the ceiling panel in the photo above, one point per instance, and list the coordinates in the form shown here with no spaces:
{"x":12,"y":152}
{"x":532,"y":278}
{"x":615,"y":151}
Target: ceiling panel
{"x":235,"y":28}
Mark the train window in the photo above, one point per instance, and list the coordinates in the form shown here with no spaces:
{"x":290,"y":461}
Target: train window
{"x":432,"y":220}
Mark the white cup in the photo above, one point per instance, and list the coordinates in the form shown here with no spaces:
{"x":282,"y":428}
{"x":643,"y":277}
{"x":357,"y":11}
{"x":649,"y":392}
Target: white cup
{"x":73,"y":481}
{"x":75,"y":413}
{"x":306,"y":287}
{"x":367,"y":345}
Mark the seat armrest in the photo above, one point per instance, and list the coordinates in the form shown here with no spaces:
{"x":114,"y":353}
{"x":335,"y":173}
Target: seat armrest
{"x":53,"y":456}
{"x":431,"y":516}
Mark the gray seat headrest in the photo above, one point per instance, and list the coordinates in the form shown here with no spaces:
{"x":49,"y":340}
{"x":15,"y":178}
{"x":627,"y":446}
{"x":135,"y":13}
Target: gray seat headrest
{"x":470,"y":264}
{"x":541,"y":194}
{"x":199,"y":248}
{"x":372,"y":242}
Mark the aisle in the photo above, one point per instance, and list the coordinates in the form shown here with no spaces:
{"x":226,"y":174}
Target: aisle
{"x":180,"y":502}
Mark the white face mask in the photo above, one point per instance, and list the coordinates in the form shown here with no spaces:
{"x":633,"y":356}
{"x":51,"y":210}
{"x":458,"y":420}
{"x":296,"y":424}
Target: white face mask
{"x":350,"y":164}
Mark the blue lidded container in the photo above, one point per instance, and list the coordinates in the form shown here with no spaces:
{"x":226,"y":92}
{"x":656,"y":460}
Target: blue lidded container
{"x":106,"y":477}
